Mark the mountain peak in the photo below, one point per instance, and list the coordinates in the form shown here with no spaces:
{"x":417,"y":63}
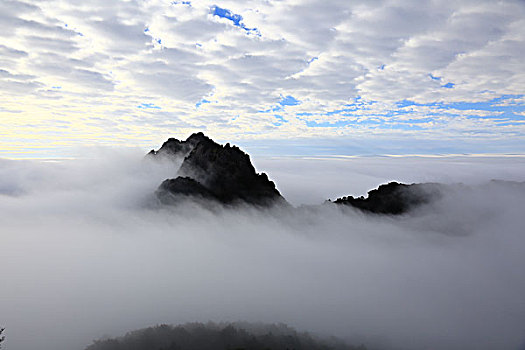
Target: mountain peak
{"x":212,"y":171}
{"x":177,"y":148}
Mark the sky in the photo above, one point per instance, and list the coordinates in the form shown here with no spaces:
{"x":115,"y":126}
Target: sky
{"x":276,"y":77}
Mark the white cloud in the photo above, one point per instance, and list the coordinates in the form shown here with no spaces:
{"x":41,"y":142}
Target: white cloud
{"x":83,"y":255}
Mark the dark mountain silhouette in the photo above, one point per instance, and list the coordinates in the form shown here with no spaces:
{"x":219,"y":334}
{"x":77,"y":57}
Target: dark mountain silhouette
{"x":214,"y":172}
{"x":225,"y":174}
{"x":211,"y":336}
{"x":394,"y":198}
{"x":175,"y":148}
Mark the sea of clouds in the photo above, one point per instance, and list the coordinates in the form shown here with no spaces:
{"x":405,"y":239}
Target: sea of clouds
{"x":86,"y":252}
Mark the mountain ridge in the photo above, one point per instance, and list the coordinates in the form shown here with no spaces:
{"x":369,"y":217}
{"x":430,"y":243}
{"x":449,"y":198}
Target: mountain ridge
{"x":225,"y":174}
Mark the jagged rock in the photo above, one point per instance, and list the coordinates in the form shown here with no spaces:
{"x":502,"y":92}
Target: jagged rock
{"x":394,"y":198}
{"x":170,"y":190}
{"x":212,"y":171}
{"x":175,"y":148}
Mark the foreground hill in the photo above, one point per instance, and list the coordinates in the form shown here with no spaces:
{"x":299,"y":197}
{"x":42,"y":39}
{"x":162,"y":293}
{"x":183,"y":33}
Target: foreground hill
{"x":212,"y":336}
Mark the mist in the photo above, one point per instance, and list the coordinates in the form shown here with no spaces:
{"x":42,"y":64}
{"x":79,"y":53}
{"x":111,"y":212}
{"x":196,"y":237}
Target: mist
{"x":86,"y":252}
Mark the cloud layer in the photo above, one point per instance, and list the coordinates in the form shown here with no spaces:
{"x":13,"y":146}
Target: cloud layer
{"x":84,"y":254}
{"x":142,"y":70}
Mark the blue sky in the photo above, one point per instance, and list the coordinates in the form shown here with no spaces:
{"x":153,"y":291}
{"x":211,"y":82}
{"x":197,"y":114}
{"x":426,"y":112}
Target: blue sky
{"x":411,"y":77}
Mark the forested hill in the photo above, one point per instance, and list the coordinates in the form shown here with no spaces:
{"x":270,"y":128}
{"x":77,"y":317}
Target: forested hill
{"x":212,"y":336}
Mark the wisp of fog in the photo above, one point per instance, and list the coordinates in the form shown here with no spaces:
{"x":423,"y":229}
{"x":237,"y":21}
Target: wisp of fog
{"x":85,"y":253}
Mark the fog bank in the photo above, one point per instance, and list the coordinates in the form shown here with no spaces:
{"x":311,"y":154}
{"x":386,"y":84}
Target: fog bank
{"x":86,"y":253}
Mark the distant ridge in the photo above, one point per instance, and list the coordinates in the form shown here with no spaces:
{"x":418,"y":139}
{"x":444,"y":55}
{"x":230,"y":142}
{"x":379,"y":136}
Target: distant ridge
{"x":394,"y":198}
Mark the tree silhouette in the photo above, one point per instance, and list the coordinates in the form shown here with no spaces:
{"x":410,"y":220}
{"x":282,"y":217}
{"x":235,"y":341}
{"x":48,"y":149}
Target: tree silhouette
{"x":2,"y":337}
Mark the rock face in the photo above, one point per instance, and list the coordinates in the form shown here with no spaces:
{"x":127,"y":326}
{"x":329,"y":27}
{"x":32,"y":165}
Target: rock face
{"x":394,"y":198}
{"x":176,"y":148}
{"x":214,"y":172}
{"x":182,"y":186}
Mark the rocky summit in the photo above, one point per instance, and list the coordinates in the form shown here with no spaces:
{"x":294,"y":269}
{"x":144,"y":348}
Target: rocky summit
{"x":217,"y":172}
{"x":175,"y":148}
{"x":394,"y":198}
